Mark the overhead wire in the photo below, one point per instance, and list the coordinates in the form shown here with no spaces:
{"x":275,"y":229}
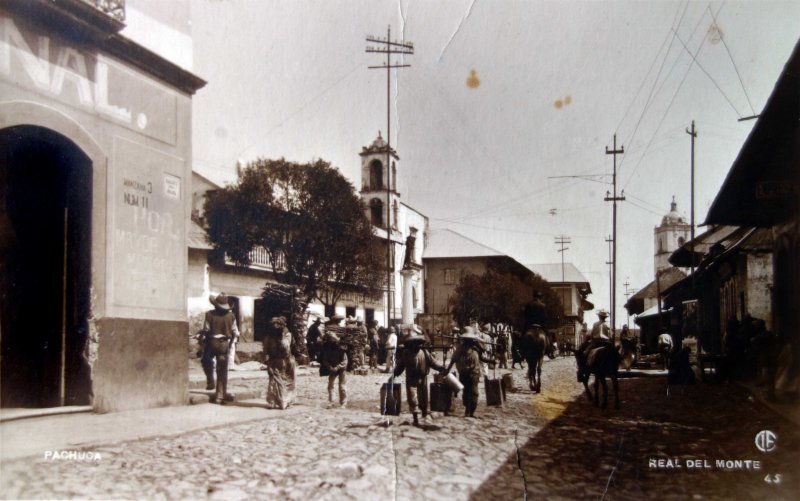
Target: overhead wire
{"x":708,"y":75}
{"x":669,"y":106}
{"x":728,"y":50}
{"x":649,"y":101}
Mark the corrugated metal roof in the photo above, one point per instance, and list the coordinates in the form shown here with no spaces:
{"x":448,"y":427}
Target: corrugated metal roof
{"x":196,"y":237}
{"x":444,"y":243}
{"x":552,"y":273}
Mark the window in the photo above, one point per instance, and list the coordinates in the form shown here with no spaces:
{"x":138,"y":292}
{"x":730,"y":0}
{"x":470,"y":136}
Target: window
{"x":449,"y":276}
{"x":376,"y":212}
{"x":350,"y":311}
{"x":376,"y":175}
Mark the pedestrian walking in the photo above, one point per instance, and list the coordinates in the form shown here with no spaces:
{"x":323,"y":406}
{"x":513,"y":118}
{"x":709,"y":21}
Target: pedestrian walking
{"x":314,"y":339}
{"x":516,"y":352}
{"x":391,"y":348}
{"x":374,"y":344}
{"x":468,"y":358}
{"x":333,"y":363}
{"x":280,"y":365}
{"x":416,"y":361}
{"x":502,"y":349}
{"x":218,"y":335}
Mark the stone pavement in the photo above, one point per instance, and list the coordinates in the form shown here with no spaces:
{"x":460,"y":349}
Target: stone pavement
{"x":566,"y":448}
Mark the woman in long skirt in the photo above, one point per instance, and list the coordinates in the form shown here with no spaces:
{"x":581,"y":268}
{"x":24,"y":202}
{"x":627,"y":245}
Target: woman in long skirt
{"x":280,"y":365}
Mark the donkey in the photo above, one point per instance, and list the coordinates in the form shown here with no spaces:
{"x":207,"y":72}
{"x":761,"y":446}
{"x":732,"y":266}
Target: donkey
{"x":534,"y":345}
{"x":603,"y":361}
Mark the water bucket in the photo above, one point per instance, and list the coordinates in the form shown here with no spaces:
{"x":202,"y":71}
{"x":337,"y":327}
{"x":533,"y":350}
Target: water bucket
{"x":508,"y":382}
{"x":391,"y":399}
{"x":494,"y":392}
{"x":453,"y":382}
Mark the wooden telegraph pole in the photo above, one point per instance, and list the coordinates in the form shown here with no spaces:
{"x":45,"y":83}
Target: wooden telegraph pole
{"x":614,"y":199}
{"x":388,"y":46}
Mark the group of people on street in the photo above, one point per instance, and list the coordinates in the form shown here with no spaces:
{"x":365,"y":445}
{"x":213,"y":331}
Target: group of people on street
{"x":334,"y":348}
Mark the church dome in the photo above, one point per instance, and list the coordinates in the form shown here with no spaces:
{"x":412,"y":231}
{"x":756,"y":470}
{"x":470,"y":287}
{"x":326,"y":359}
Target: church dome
{"x":673,"y":217}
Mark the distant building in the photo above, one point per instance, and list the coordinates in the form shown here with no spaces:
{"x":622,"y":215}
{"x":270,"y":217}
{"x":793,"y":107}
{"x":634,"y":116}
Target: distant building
{"x":673,"y":232}
{"x":669,"y":236}
{"x":572,"y":287}
{"x":448,"y":257}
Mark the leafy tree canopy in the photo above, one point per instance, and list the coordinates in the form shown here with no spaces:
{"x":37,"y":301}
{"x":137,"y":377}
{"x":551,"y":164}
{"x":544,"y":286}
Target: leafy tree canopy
{"x":499,"y":296}
{"x":310,"y":220}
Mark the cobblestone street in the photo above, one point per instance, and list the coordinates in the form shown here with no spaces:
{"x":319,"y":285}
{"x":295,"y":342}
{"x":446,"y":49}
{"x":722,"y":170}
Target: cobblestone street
{"x":567,"y":449}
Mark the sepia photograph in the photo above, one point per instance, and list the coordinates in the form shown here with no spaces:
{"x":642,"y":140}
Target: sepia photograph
{"x":400,"y":249}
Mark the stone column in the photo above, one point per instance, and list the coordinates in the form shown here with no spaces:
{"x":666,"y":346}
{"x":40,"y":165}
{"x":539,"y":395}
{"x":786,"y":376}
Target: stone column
{"x":408,"y":295}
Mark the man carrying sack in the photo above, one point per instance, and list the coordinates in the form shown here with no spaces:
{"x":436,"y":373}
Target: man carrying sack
{"x":219,"y":334}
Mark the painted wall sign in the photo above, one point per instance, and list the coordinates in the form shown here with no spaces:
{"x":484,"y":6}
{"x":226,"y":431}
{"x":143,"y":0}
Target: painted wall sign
{"x":86,"y":80}
{"x":149,"y":233}
{"x":172,"y":186}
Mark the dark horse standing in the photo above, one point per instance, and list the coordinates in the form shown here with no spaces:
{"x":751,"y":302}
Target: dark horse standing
{"x":604,"y":361}
{"x":534,"y":345}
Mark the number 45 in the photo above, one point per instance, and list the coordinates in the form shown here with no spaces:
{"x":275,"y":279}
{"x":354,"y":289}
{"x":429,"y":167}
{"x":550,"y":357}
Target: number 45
{"x":773,"y":479}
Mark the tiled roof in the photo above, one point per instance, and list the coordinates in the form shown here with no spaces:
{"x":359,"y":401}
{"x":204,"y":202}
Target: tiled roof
{"x":444,"y":243}
{"x":552,"y":273}
{"x":196,"y":237}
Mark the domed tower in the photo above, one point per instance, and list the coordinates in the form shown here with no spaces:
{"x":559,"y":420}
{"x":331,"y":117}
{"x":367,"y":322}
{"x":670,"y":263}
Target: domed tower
{"x":673,"y":232}
{"x":379,"y":183}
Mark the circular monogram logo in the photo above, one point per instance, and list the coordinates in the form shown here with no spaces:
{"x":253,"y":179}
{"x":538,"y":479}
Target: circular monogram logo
{"x":765,"y":441}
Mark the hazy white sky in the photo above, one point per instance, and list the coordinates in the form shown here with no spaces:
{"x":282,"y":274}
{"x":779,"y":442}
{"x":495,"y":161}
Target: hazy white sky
{"x":557,"y":80}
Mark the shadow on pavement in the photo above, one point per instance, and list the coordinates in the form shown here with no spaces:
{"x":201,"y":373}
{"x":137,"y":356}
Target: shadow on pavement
{"x":658,"y":445}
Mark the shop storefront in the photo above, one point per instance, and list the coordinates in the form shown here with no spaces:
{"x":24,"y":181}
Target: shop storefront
{"x":95,"y":141}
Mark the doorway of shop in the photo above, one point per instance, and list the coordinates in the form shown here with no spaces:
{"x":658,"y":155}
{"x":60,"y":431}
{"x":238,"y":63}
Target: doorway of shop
{"x":45,"y":269}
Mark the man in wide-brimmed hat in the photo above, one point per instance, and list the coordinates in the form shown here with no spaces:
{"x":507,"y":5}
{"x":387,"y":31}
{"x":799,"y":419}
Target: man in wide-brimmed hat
{"x":467,"y":359}
{"x":600,"y":335}
{"x":218,"y":335}
{"x":416,"y":361}
{"x":333,"y":363}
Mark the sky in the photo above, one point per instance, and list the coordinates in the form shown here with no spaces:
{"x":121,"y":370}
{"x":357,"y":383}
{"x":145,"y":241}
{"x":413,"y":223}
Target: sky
{"x":504,"y":116}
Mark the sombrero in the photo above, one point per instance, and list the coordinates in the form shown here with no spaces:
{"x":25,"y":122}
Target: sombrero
{"x":220,"y":301}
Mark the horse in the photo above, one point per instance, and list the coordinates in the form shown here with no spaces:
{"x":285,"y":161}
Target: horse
{"x":603,"y":361}
{"x":534,"y":345}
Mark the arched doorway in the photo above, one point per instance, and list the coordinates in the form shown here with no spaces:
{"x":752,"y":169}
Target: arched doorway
{"x":45,"y":268}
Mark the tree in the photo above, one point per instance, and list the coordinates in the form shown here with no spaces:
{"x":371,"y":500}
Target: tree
{"x":500,"y":296}
{"x":309,"y":219}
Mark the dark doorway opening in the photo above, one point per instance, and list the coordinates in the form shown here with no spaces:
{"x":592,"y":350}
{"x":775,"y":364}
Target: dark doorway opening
{"x":45,"y":269}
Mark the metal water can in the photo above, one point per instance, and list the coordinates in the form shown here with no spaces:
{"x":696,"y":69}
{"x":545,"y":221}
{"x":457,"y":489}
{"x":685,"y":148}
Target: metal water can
{"x":453,"y":382}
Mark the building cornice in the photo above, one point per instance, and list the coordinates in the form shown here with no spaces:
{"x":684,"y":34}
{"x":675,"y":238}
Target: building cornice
{"x":82,"y":23}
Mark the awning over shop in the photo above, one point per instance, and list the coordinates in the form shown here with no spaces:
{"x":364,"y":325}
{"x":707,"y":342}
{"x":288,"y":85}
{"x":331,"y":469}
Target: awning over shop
{"x":652,"y":312}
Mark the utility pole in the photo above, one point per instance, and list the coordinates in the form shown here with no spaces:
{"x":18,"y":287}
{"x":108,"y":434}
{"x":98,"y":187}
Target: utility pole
{"x":692,"y":133}
{"x":562,"y":241}
{"x":627,"y":294}
{"x":609,"y":240}
{"x":389,"y":47}
{"x":614,"y":199}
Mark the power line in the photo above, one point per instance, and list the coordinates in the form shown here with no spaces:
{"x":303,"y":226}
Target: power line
{"x":709,"y":76}
{"x":649,"y":101}
{"x":666,"y":111}
{"x":641,"y":86}
{"x":727,"y":49}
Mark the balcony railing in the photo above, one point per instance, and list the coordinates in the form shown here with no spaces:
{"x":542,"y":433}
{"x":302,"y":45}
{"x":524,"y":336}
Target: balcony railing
{"x":260,"y":260}
{"x":111,"y":8}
